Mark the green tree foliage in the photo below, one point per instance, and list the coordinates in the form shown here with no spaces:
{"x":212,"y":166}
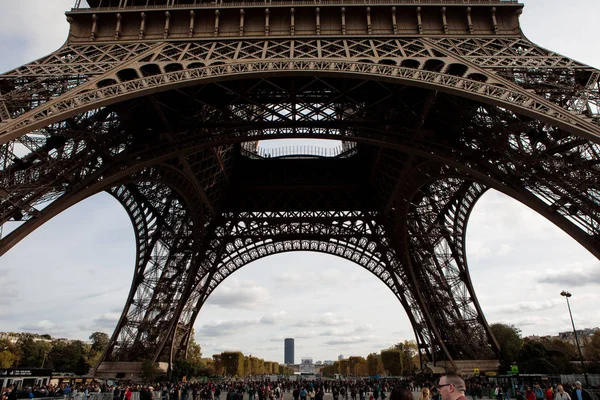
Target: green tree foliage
{"x":408,"y":350}
{"x":233,"y":362}
{"x":392,"y":361}
{"x":82,"y":367}
{"x":31,"y":352}
{"x":148,"y":370}
{"x":7,"y":359}
{"x":69,"y":357}
{"x":194,"y":353}
{"x":568,"y":349}
{"x":510,"y":341}
{"x":534,"y":358}
{"x":99,"y":342}
{"x":9,"y":354}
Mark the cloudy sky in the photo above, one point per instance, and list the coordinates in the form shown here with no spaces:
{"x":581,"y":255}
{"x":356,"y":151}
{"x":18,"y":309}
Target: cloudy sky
{"x":71,"y":277}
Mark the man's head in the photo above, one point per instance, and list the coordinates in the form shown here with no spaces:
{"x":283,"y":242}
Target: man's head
{"x":451,"y":386}
{"x":578,"y":385}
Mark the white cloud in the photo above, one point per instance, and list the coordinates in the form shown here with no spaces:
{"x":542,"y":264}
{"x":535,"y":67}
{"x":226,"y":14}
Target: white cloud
{"x":219,"y":327}
{"x":106,"y":321}
{"x":324,"y":319}
{"x":273,"y":318}
{"x":539,"y":305}
{"x":43,"y":326}
{"x":504,"y":250}
{"x":35,"y":28}
{"x":234,"y":293}
{"x":8,"y":293}
{"x":329,"y":276}
{"x":573,"y":276}
{"x":534,"y":320}
{"x":346,"y":332}
{"x":350,"y":340}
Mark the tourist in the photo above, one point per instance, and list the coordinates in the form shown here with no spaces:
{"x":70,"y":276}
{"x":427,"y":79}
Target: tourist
{"x":580,"y":393}
{"x":561,"y":394}
{"x":451,"y":387}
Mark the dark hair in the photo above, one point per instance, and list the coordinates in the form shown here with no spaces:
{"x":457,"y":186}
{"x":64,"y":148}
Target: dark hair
{"x":401,"y":393}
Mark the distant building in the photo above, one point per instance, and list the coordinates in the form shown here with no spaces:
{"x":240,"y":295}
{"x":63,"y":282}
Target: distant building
{"x":319,"y":363}
{"x":307,"y":366}
{"x":288,"y":356}
{"x":583,"y":335}
{"x":328,"y":362}
{"x":340,"y":357}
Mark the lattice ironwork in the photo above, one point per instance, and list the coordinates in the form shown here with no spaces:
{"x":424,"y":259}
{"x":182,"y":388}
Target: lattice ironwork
{"x":427,"y":122}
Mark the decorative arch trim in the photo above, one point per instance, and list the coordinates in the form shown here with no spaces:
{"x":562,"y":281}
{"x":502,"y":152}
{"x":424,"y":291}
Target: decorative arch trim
{"x":495,"y":91}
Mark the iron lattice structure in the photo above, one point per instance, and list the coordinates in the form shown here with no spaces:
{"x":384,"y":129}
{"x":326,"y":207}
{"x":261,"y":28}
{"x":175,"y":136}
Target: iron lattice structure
{"x":162,"y":104}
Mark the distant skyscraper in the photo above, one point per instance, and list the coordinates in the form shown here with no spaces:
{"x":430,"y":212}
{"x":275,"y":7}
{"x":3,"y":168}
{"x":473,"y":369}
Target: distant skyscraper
{"x":288,"y":357}
{"x":340,"y":357}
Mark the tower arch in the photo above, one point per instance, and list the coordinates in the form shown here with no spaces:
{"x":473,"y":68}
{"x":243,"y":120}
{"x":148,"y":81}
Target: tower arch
{"x":438,"y":112}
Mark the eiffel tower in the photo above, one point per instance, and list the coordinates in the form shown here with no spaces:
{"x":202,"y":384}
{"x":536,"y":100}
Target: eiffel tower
{"x":162,"y":104}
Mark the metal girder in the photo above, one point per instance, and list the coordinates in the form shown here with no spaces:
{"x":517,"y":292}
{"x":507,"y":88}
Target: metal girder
{"x":428,"y":123}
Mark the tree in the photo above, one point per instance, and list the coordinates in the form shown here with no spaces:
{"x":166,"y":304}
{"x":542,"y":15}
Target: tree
{"x":233,"y":362}
{"x":373,"y":363}
{"x":9,"y":354}
{"x":69,"y":357}
{"x":194,"y":353}
{"x":31,"y":352}
{"x":82,"y":367}
{"x":218,"y":365}
{"x":408,"y":350}
{"x":148,"y":370}
{"x":392,"y":361}
{"x":510,"y":341}
{"x":7,"y":359}
{"x":534,"y":358}
{"x":343,"y":367}
{"x":568,"y":349}
{"x":99,"y":342}
{"x":592,"y":348}
{"x":361,"y":368}
{"x":352,"y":363}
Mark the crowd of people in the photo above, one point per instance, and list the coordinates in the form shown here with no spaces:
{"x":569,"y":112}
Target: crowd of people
{"x":359,"y":389}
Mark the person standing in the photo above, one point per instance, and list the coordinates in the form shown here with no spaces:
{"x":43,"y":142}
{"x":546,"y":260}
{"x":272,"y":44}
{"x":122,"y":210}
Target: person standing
{"x":580,"y":393}
{"x":539,"y":393}
{"x":451,"y":387}
{"x":561,"y":394}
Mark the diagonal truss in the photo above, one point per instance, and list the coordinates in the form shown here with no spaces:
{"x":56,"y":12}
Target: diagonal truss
{"x":428,"y":123}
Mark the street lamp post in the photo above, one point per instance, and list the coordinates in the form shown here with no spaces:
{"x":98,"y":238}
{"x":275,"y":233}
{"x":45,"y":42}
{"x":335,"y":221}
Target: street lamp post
{"x":566,"y":294}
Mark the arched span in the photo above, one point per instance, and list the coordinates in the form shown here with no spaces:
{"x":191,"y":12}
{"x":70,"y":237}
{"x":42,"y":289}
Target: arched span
{"x":496,"y":91}
{"x":355,"y":236}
